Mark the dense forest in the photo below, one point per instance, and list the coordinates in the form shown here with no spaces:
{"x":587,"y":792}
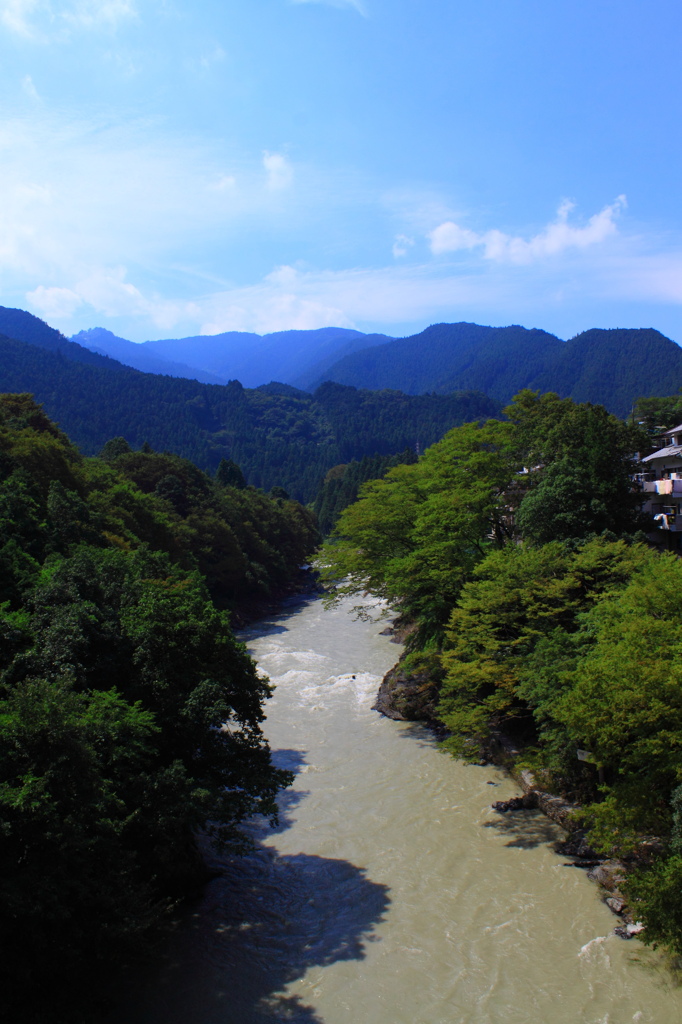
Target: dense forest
{"x":515,"y":550}
{"x":130,"y":717}
{"x":610,"y":367}
{"x":341,"y":485}
{"x":278,"y":435}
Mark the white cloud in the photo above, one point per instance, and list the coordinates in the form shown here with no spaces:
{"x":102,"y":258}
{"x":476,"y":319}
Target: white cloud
{"x":288,"y":297}
{"x":29,"y":88}
{"x":38,"y":19}
{"x":107,"y":292}
{"x":279,"y":170}
{"x":97,"y":13}
{"x":216,"y":56}
{"x":224,"y":183}
{"x":15,"y":15}
{"x":54,"y":303}
{"x":555,"y":238}
{"x":357,"y":5}
{"x":124,"y":225}
{"x":401,"y":245}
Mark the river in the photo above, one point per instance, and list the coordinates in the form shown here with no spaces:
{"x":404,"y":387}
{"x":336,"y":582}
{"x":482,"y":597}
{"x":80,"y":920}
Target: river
{"x":391,"y":892}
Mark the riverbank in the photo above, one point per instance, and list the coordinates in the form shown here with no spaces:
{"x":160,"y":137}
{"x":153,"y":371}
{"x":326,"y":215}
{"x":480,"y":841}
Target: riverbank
{"x":412,"y":696}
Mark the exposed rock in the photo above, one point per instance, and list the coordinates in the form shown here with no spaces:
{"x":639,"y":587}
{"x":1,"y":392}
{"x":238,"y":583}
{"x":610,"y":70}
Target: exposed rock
{"x":610,"y":874}
{"x":407,"y":697}
{"x":517,"y":803}
{"x":616,"y":904}
{"x":577,"y":846}
{"x":554,"y":807}
{"x":628,"y":931}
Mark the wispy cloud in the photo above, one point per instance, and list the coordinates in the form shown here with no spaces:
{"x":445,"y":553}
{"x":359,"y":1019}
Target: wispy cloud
{"x":125,"y":225}
{"x":554,"y":238}
{"x":108,"y":292}
{"x":29,"y":88}
{"x":377,"y":298}
{"x":279,"y":170}
{"x":16,"y":15}
{"x":357,"y":5}
{"x":95,"y":13}
{"x":40,"y":19}
{"x":402,"y":245}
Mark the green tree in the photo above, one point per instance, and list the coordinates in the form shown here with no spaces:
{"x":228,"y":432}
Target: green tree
{"x":414,"y":536}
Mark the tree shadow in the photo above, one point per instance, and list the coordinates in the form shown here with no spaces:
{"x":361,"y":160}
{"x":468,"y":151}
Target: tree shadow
{"x":526,"y":828}
{"x":274,"y":621}
{"x":262,"y":921}
{"x":425,"y":735}
{"x":287,"y":799}
{"x":259,"y":927}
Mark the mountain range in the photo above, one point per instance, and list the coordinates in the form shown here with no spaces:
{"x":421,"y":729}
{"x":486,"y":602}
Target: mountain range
{"x":381,"y":397}
{"x":278,"y":434}
{"x":293,"y":357}
{"x":608,"y":367}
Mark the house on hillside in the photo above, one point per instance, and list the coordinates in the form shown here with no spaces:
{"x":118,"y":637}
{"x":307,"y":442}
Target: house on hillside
{"x":662,"y":485}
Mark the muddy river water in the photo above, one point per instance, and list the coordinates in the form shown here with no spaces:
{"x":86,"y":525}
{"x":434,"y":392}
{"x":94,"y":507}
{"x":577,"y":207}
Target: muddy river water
{"x":391,"y":893}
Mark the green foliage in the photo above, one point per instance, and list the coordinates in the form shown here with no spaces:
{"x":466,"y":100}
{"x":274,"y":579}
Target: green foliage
{"x":585,"y":459}
{"x":656,"y":899}
{"x":511,"y":545}
{"x":510,"y":638}
{"x":414,"y":537}
{"x":228,"y":474}
{"x":115,"y":447}
{"x":130,"y":717}
{"x":341,"y":485}
{"x":609,"y":367}
{"x":278,"y":436}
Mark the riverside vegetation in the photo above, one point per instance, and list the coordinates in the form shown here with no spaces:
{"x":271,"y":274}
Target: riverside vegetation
{"x":130,"y":717}
{"x":515,"y":552}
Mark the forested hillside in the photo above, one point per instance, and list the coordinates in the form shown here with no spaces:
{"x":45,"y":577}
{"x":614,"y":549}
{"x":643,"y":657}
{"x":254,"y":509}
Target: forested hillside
{"x":568,"y":641}
{"x":609,"y":367}
{"x":278,"y":436}
{"x":130,"y":717}
{"x":489,"y":359}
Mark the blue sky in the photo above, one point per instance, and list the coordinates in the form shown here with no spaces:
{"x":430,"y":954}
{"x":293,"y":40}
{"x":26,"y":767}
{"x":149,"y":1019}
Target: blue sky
{"x":171,"y":168}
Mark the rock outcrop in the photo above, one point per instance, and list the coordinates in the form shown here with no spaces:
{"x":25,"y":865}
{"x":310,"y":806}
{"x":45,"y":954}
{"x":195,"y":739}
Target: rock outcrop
{"x":407,"y":697}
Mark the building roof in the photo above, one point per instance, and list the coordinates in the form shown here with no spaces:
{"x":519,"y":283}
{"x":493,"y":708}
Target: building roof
{"x":664,"y":453}
{"x":673,"y":430}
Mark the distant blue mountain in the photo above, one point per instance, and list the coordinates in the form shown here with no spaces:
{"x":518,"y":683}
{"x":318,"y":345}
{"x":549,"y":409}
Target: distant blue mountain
{"x":291,"y":357}
{"x":140,"y":357}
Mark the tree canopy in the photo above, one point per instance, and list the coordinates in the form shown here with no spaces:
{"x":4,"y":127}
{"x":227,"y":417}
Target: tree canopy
{"x":130,"y":716}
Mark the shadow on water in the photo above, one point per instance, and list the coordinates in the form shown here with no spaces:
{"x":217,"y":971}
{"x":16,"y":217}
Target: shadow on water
{"x":525,"y":829}
{"x":261,"y":923}
{"x":269,"y":625}
{"x":423,"y":735}
{"x":260,"y":926}
{"x":287,"y":800}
